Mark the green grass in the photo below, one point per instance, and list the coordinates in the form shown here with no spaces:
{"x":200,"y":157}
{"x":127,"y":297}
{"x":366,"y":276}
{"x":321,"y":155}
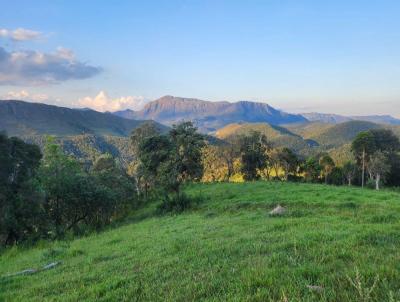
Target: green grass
{"x":228,"y":249}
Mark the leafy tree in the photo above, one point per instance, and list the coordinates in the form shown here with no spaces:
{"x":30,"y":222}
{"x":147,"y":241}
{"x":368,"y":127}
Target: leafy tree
{"x":349,"y":170}
{"x":336,"y":176}
{"x":378,"y":167}
{"x":369,"y":142}
{"x":152,"y":152}
{"x":393,"y":177}
{"x":274,"y":162}
{"x":363,"y":147}
{"x":104,"y":162}
{"x":144,"y":131}
{"x":215,"y":168}
{"x":112,"y":177}
{"x":312,"y":169}
{"x":327,"y":165}
{"x":230,"y":153}
{"x":187,"y":144}
{"x":385,"y":140}
{"x":288,"y":161}
{"x":169,"y":160}
{"x":253,"y":154}
{"x":138,"y":136}
{"x":21,"y":208}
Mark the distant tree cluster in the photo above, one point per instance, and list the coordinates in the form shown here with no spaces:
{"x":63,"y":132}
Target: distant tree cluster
{"x":377,"y":156}
{"x":251,"y":157}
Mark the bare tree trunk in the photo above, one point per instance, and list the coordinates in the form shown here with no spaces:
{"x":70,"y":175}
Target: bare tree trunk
{"x":363,"y":168}
{"x":267,"y":172}
{"x":349,"y":179}
{"x":377,"y":180}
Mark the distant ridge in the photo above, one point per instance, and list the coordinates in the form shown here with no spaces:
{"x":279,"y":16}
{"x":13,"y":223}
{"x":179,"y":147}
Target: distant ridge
{"x":277,"y":135}
{"x":21,"y":118}
{"x":336,"y":118}
{"x":209,"y":116}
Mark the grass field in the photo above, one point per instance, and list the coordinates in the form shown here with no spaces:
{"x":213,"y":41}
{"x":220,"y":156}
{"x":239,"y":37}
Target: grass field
{"x":343,"y":241}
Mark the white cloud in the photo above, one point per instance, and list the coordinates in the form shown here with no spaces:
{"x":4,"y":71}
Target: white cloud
{"x":29,"y":67}
{"x":102,"y":102}
{"x":24,"y":95}
{"x":21,"y":34}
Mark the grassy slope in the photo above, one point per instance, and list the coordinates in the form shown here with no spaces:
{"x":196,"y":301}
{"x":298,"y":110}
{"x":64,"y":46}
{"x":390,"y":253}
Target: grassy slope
{"x":228,"y":249}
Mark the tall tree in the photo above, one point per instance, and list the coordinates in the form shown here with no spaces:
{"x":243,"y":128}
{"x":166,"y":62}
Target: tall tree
{"x":188,"y":144}
{"x":230,"y":153}
{"x":378,"y":167}
{"x":138,"y":136}
{"x":363,"y":147}
{"x":254,"y":157}
{"x":288,"y":161}
{"x":169,"y":160}
{"x":152,"y":152}
{"x":21,"y":201}
{"x":312,"y":169}
{"x":215,"y":168}
{"x":349,"y":170}
{"x":327,"y":165}
{"x":385,"y":140}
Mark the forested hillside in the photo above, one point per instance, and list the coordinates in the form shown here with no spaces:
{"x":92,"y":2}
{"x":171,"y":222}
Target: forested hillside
{"x":88,"y":147}
{"x":277,"y":135}
{"x":20,"y":118}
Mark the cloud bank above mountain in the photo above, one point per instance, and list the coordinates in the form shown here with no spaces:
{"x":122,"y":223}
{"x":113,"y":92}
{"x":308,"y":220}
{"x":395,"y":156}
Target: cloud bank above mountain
{"x":103,"y":102}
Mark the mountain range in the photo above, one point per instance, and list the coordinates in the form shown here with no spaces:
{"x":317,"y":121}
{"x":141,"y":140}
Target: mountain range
{"x":336,"y":118}
{"x":210,"y":116}
{"x":86,"y":133}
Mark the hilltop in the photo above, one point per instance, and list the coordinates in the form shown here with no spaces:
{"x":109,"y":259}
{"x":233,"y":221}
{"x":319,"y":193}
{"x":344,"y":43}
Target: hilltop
{"x":309,"y":137}
{"x":83,"y":133}
{"x":20,"y":118}
{"x":278,"y":136}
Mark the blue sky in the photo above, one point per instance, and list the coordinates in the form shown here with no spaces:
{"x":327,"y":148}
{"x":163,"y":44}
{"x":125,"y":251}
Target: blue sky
{"x":327,"y":56}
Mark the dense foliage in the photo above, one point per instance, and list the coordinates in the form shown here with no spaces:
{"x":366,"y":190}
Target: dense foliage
{"x":50,"y":196}
{"x":167,"y":161}
{"x":20,"y":197}
{"x":55,"y":194}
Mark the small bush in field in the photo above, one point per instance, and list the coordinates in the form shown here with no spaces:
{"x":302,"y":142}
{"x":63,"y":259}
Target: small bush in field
{"x":178,"y":203}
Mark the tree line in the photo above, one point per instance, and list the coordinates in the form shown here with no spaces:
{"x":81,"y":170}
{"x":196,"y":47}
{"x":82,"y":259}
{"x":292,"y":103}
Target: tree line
{"x":48,"y":194}
{"x":252,"y":157}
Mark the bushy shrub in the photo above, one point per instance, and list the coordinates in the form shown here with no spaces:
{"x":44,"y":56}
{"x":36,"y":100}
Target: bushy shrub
{"x":178,"y":203}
